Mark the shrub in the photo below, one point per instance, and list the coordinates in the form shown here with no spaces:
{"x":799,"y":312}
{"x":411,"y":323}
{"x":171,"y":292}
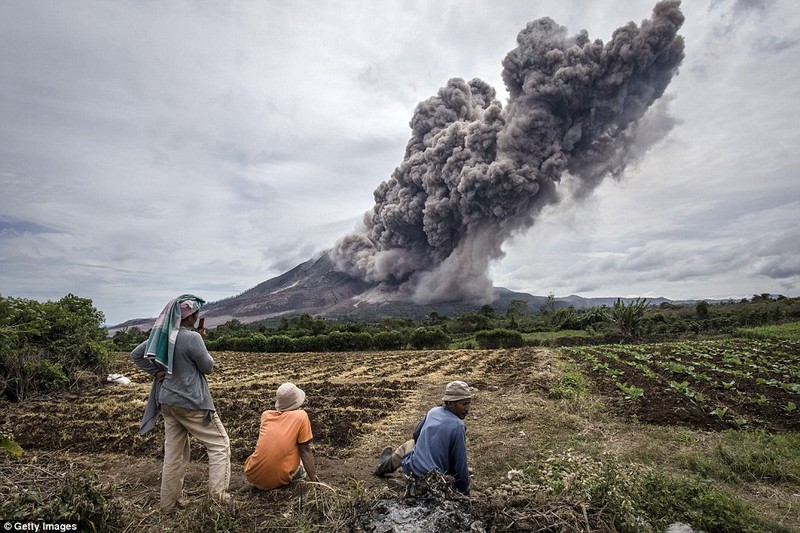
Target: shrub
{"x":429,"y":338}
{"x":43,"y":346}
{"x":43,"y":492}
{"x":310,"y":343}
{"x":499,"y":338}
{"x":129,"y":338}
{"x":666,"y":499}
{"x":346,"y":341}
{"x":636,"y":498}
{"x":278,"y":343}
{"x":389,"y":340}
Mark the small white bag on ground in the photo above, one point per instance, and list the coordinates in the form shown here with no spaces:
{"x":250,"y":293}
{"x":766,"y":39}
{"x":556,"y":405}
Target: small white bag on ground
{"x":119,"y":379}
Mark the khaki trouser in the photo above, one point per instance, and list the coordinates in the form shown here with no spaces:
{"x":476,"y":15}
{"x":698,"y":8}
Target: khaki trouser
{"x":178,"y":424}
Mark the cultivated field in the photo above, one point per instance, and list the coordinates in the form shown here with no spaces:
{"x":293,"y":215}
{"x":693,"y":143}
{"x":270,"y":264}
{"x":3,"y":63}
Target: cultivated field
{"x":532,"y":406}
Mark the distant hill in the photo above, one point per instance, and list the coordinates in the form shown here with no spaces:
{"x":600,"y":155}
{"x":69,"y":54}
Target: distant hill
{"x":317,"y":288}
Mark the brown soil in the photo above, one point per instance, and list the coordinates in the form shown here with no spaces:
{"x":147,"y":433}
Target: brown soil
{"x":664,"y":405}
{"x":358,"y":403}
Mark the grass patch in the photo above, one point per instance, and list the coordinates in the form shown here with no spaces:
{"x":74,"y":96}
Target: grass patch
{"x":571,"y":385}
{"x":785,"y":332}
{"x":583,"y":492}
{"x":31,"y":490}
{"x":749,"y":456}
{"x":549,"y":336}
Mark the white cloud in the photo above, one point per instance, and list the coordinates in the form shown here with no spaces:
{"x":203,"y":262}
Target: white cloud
{"x":149,"y":149}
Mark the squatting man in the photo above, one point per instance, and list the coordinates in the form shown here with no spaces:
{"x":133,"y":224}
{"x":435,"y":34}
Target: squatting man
{"x":439,"y":442}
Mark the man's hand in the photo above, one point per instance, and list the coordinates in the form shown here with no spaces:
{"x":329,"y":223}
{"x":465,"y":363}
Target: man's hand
{"x":161,"y":374}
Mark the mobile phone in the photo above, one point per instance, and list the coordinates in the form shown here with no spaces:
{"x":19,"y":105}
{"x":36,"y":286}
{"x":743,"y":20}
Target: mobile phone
{"x":202,"y":323}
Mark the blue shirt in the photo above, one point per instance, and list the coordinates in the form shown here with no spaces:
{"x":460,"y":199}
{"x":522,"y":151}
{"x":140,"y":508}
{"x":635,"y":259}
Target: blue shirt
{"x":440,"y":444}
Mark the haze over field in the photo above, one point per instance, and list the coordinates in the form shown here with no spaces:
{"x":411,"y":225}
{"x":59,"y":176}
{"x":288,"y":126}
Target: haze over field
{"x":148,"y":150}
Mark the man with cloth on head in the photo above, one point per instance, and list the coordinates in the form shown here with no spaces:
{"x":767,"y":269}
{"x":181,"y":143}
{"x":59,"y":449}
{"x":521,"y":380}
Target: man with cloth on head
{"x":284,"y":443}
{"x":439,"y":442}
{"x":178,"y":360}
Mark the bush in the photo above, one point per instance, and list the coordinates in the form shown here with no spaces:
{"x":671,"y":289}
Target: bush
{"x":129,"y":338}
{"x":278,"y":343}
{"x":636,"y":498}
{"x":310,"y":343}
{"x":389,"y":340}
{"x":346,"y":341}
{"x":499,"y":338}
{"x":429,"y":338}
{"x":44,"y":346}
{"x":666,"y":499}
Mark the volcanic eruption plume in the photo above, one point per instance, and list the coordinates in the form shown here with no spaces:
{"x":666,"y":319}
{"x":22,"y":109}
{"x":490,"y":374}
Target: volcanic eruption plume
{"x":475,"y":172}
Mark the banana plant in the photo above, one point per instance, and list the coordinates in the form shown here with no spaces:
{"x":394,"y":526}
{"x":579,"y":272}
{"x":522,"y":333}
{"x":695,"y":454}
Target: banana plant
{"x":628,"y":317}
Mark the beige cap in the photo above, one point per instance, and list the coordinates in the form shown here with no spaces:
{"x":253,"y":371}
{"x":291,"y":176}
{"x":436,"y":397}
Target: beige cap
{"x":456,"y":390}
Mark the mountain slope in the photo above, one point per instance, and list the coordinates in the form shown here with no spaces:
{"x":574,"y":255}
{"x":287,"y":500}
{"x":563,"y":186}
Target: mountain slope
{"x":317,"y":288}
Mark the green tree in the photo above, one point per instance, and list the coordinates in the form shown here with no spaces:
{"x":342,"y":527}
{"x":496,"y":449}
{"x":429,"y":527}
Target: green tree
{"x":46,"y":346}
{"x":129,"y":338}
{"x":702,"y":310}
{"x":628,"y":317}
{"x":517,"y":308}
{"x":389,"y":340}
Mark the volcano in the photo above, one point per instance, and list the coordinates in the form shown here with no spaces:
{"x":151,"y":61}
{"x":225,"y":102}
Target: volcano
{"x":316,"y":287}
{"x":477,"y":171}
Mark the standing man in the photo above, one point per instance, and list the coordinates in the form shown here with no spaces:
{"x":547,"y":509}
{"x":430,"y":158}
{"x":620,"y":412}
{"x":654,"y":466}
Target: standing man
{"x":178,"y":360}
{"x":439,"y":441}
{"x":283,"y":452}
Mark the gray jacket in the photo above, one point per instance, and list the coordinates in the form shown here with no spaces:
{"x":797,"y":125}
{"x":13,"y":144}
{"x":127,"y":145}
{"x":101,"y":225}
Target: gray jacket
{"x":187,"y":386}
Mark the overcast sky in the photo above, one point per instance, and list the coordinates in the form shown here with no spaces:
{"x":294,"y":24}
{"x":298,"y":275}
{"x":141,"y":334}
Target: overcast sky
{"x":149,"y":149}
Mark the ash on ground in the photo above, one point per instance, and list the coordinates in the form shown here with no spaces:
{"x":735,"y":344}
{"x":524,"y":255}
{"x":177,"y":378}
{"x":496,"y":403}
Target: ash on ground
{"x":429,"y":504}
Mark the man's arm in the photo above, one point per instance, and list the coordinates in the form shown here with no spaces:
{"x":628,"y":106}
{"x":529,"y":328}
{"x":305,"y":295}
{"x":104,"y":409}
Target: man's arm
{"x":458,"y":460}
{"x":199,"y":354}
{"x":148,"y":365}
{"x":307,"y":456}
{"x":418,"y":429}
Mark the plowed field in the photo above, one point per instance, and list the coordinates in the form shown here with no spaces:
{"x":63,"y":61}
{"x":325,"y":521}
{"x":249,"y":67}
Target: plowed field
{"x":358,"y":403}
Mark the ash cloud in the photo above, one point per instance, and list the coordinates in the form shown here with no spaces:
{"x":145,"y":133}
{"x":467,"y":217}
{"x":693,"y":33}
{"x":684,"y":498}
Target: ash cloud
{"x":475,"y":171}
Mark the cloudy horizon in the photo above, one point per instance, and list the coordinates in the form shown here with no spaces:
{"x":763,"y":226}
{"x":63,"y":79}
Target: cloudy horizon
{"x":152,"y":149}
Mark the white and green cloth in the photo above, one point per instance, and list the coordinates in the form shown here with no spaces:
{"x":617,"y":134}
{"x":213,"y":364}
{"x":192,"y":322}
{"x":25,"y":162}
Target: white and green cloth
{"x":161,"y":343}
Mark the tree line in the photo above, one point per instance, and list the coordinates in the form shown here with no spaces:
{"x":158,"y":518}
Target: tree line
{"x":487,"y":328}
{"x":53,"y":345}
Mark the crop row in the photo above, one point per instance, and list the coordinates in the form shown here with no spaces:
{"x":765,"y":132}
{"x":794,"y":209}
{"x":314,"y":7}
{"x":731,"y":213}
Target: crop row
{"x":740,"y":381}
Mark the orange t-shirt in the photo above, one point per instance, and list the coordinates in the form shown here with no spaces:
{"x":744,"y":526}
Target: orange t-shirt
{"x":277,"y":454}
